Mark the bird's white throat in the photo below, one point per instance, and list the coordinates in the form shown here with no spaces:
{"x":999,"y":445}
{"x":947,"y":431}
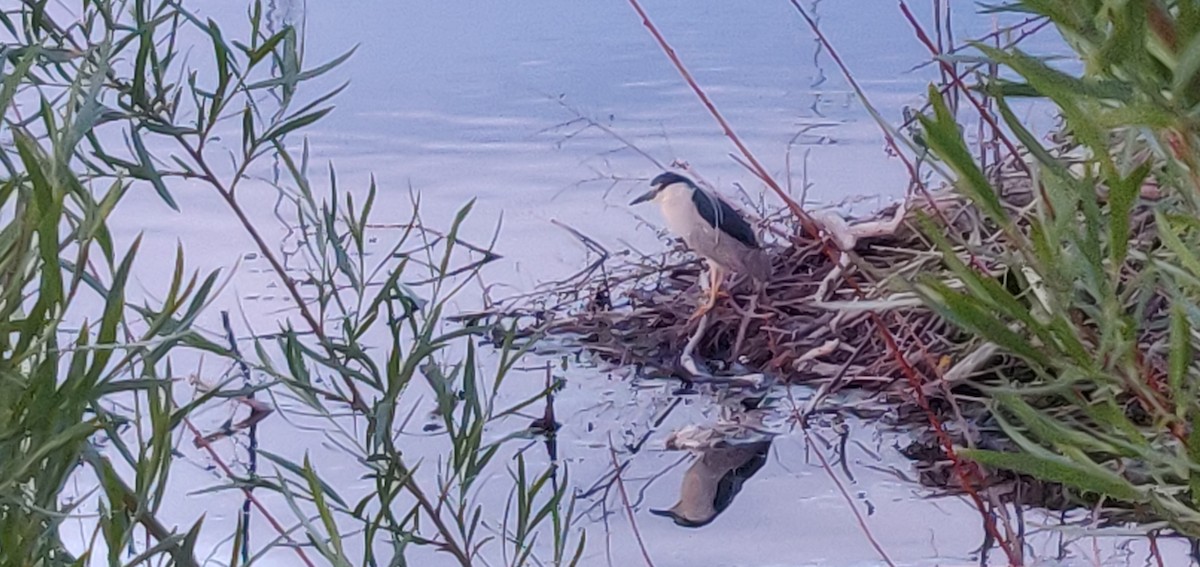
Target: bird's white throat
{"x":675,"y":201}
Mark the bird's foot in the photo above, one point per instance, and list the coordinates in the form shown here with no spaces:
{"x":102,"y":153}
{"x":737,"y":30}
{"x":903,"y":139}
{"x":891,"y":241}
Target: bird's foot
{"x":709,"y":302}
{"x":699,"y":313}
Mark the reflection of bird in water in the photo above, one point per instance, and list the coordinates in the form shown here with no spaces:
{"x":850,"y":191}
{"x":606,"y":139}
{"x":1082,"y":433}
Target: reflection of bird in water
{"x":712,"y":481}
{"x":711,"y":228}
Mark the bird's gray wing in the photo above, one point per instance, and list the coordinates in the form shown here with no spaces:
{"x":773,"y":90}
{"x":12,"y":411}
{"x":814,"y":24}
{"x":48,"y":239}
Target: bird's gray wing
{"x":720,"y":215}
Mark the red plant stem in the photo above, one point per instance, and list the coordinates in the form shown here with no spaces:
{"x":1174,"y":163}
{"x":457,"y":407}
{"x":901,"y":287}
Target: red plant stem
{"x":910,"y":373}
{"x":914,"y":178}
{"x":945,"y":88}
{"x":249,"y":495}
{"x":1154,"y":552}
{"x":806,"y":221}
{"x":983,"y":113}
{"x":1162,"y":23}
{"x":915,"y":381}
{"x":810,"y":226}
{"x":612,"y":453}
{"x":862,"y":523}
{"x":960,"y":469}
{"x":948,"y":70}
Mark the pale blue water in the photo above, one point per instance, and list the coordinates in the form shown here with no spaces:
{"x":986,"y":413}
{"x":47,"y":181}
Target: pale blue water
{"x":469,"y":100}
{"x":461,"y":101}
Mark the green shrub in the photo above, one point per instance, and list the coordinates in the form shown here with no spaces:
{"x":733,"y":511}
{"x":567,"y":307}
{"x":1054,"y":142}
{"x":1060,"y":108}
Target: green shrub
{"x":78,"y":78}
{"x":1099,"y":276}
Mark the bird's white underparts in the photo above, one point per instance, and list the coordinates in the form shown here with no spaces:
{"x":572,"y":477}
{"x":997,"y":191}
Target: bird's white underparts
{"x":711,"y":227}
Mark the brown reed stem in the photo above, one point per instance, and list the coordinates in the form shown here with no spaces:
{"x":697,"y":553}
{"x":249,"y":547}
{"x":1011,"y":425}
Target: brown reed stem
{"x":983,"y":112}
{"x":862,"y":522}
{"x":212,"y":453}
{"x":809,"y":226}
{"x":356,"y":401}
{"x":637,"y":534}
{"x":914,"y":178}
{"x":806,"y":221}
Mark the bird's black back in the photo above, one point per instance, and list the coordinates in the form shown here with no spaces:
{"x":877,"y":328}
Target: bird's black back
{"x":723,"y":217}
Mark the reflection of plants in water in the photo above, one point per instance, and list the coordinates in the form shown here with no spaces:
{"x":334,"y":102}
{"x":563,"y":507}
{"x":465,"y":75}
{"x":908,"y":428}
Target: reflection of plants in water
{"x":75,"y":84}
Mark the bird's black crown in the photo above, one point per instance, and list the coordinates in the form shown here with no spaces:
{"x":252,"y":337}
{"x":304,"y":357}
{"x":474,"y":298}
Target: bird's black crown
{"x":670,"y":177}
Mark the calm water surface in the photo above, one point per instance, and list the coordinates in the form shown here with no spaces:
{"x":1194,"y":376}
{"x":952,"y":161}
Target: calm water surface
{"x":480,"y":100}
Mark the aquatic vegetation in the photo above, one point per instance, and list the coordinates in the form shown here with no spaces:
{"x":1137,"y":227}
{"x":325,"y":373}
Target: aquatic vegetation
{"x":1033,"y":318}
{"x":1091,"y":289}
{"x":103,"y":99}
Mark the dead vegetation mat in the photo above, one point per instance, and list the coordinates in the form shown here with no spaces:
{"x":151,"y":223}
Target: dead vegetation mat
{"x":816,"y":322}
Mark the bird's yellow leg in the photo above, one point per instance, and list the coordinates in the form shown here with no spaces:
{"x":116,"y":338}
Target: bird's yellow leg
{"x":714,"y":287}
{"x":715,"y":276}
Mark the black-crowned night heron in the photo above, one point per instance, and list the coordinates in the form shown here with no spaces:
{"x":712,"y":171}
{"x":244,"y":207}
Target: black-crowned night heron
{"x":711,"y":228}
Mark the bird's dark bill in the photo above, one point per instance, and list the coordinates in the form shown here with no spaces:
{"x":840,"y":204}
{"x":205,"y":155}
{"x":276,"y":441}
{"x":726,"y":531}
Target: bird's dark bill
{"x":645,"y":197}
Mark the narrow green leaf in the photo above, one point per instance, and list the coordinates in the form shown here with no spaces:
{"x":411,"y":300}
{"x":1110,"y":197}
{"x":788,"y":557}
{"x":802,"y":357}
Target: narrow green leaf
{"x":1051,"y":431}
{"x":1187,"y":67}
{"x":317,"y":489}
{"x":968,"y":313}
{"x":114,"y":314}
{"x":281,"y":130}
{"x":299,"y":471}
{"x":1060,"y":470}
{"x":1120,"y":203}
{"x":304,"y":75}
{"x":945,"y":139}
{"x":1193,"y":448}
{"x":1169,"y":234}
{"x":147,"y":171}
{"x":1180,"y":358}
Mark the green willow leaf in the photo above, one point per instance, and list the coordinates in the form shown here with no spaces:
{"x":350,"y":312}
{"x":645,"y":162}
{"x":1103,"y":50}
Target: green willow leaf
{"x":1060,"y":470}
{"x":944,"y":138}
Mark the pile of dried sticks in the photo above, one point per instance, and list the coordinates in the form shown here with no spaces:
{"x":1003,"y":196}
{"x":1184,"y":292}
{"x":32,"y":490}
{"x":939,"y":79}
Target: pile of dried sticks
{"x":808,"y":324}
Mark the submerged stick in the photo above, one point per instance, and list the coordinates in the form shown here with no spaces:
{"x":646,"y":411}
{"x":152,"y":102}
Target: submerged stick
{"x":637,"y":534}
{"x":862,"y":522}
{"x":252,"y":445}
{"x":283,"y":532}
